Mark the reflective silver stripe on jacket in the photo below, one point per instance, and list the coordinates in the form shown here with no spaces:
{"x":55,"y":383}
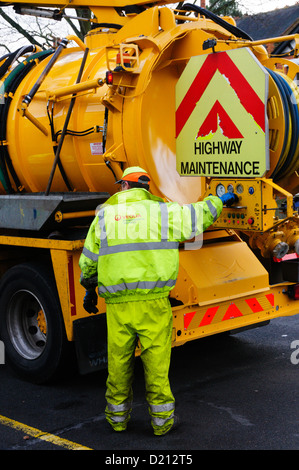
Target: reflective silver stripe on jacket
{"x":89,"y":254}
{"x":102,"y":225}
{"x":161,"y":408}
{"x":213,"y":209}
{"x":109,"y":250}
{"x":164,"y":221}
{"x":136,"y":285}
{"x":163,"y":245}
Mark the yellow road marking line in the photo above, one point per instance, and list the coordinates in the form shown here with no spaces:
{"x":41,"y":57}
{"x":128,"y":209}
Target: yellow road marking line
{"x":44,"y":436}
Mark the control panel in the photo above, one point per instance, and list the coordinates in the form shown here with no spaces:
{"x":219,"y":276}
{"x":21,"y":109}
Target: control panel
{"x":257,"y":208}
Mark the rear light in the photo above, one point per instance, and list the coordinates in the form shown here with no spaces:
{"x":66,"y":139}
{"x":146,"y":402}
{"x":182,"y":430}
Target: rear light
{"x":109,"y":78}
{"x":293,"y":291}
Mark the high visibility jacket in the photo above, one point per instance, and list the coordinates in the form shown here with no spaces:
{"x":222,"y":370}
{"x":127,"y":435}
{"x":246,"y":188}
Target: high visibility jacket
{"x":132,"y":244}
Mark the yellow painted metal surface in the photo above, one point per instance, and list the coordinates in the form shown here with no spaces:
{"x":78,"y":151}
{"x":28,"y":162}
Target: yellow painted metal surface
{"x":90,"y":3}
{"x":141,"y":118}
{"x":32,"y":242}
{"x":219,"y":272}
{"x":34,"y":157}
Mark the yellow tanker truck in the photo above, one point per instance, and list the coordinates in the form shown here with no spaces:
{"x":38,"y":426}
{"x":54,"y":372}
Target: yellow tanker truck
{"x":204,"y":109}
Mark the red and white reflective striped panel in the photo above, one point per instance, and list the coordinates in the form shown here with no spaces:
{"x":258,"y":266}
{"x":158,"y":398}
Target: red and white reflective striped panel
{"x":204,"y":317}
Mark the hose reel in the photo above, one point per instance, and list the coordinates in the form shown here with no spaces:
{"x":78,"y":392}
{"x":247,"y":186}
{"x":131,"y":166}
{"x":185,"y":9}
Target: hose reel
{"x":283,"y":114}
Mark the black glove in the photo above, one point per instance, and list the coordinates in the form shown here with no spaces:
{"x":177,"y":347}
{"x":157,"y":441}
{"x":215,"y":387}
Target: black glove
{"x":90,"y":301}
{"x":229,"y":198}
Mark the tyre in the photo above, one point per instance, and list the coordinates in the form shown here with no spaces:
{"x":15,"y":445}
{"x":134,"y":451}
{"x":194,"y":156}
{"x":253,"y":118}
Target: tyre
{"x":31,"y":324}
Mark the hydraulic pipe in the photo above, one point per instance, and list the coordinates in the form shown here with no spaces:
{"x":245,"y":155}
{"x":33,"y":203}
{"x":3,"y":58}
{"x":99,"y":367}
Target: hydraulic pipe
{"x":56,"y":159}
{"x":28,"y":98}
{"x":74,"y":89}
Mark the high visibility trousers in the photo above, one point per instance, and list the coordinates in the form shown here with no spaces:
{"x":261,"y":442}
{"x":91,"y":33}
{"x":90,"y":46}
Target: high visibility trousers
{"x":151,"y":322}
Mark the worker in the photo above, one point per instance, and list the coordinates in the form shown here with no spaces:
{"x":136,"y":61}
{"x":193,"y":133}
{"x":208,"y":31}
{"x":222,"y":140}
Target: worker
{"x":131,"y":254}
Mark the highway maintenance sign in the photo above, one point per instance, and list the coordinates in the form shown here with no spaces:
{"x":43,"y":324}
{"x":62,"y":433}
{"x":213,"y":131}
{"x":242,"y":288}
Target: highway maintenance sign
{"x":221,"y":120}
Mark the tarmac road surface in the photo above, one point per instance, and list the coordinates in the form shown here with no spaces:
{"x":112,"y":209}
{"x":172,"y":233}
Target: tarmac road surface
{"x":235,"y":392}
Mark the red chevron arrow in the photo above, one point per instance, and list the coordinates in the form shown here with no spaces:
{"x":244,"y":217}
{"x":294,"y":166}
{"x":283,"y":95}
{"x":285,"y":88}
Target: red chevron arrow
{"x":210,"y":124}
{"x":246,"y":94}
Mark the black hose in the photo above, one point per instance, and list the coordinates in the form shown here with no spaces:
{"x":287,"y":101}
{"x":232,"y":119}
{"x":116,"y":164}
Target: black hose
{"x":5,"y":56}
{"x":66,"y":122}
{"x":291,"y":116}
{"x":208,"y":14}
{"x":105,"y":129}
{"x":12,"y":56}
{"x":28,"y":98}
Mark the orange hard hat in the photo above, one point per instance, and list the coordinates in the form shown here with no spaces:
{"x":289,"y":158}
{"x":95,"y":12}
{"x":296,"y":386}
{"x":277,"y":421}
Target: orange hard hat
{"x":135,"y":174}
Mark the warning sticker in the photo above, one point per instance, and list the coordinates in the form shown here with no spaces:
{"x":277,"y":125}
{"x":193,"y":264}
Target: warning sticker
{"x":221,"y":121}
{"x":96,"y":148}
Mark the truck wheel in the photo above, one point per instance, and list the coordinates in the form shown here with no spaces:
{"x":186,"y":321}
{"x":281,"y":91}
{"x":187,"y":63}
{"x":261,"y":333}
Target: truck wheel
{"x":31,"y":325}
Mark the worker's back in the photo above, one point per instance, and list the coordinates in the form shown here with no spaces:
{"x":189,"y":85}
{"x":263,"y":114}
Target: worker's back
{"x":136,"y":255}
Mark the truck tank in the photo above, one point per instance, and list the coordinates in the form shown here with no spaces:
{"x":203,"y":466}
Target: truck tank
{"x":132,"y":120}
